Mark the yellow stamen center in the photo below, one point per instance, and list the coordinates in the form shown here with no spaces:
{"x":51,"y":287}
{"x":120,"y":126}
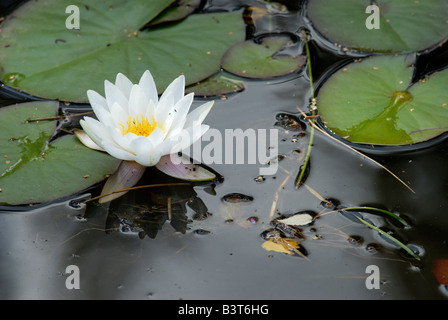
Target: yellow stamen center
{"x":140,"y":127}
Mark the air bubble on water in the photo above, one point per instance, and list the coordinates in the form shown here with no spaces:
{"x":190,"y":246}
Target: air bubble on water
{"x":416,"y":249}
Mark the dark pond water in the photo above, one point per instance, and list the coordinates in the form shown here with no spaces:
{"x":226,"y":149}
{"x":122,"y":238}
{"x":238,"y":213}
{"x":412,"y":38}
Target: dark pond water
{"x":211,"y":248}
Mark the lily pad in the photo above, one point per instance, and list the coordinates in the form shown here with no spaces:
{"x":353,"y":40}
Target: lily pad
{"x":403,"y":25}
{"x":41,"y":57}
{"x":178,"y":11}
{"x":252,"y":60}
{"x":375,"y":102}
{"x":218,"y":84}
{"x":35,"y":171}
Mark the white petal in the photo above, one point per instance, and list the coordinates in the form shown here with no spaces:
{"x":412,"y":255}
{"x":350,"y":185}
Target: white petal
{"x":176,"y":121}
{"x":176,"y":88}
{"x":124,"y":84}
{"x":156,"y":137}
{"x":168,"y":145}
{"x":86,"y":140}
{"x":196,"y":132}
{"x":114,"y":95}
{"x":198,"y":115}
{"x":117,"y":152}
{"x":144,"y":151}
{"x":120,"y":141}
{"x":155,"y":158}
{"x":119,"y":117}
{"x":100,"y":108}
{"x":183,"y":139}
{"x":150,"y":110}
{"x":149,"y":86}
{"x":127,"y":176}
{"x":138,"y":102}
{"x":95,"y":129}
{"x":97,"y":99}
{"x":165,"y":107}
{"x":149,"y":160}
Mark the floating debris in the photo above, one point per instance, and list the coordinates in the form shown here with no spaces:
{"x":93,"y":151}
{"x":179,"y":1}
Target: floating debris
{"x":289,"y":122}
{"x":373,"y":248}
{"x":291,"y":231}
{"x":237,"y":198}
{"x":252,"y":220}
{"x":277,"y":241}
{"x":202,"y":232}
{"x":298,"y":219}
{"x":355,"y":240}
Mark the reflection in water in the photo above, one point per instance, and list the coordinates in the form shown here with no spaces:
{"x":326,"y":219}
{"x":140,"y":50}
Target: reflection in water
{"x":145,"y":211}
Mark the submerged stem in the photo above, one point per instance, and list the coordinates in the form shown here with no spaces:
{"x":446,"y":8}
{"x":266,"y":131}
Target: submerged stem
{"x":313,"y":114}
{"x":402,"y":245}
{"x":378,"y":210}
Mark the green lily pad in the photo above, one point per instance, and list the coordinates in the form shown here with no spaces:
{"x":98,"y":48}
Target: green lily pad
{"x":252,"y":60}
{"x":374,"y":102}
{"x":35,"y":171}
{"x":218,"y":84}
{"x":41,"y":57}
{"x":404,"y":25}
{"x":178,"y":11}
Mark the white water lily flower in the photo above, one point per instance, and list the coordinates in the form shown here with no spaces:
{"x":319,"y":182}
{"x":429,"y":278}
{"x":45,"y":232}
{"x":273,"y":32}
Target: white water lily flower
{"x":135,"y":125}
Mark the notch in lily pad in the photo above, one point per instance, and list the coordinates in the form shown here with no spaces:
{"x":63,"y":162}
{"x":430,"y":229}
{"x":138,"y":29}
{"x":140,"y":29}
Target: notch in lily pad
{"x":37,"y":169}
{"x":265,"y":59}
{"x":376,"y":101}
